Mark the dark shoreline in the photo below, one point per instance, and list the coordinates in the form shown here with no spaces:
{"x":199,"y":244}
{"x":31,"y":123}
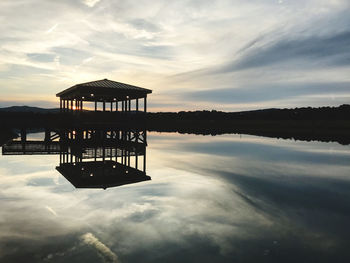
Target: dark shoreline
{"x":326,"y":124}
{"x":305,"y":130}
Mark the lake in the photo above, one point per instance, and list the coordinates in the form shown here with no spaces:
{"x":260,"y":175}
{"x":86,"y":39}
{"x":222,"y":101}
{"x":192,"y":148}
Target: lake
{"x":228,"y":198}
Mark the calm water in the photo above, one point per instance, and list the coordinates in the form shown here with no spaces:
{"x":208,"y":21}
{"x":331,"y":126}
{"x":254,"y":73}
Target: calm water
{"x":226,"y":198}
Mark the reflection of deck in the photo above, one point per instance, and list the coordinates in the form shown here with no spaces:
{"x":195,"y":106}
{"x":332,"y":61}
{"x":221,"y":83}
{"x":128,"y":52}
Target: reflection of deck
{"x":105,"y":152}
{"x":31,"y":147}
{"x":88,"y":148}
{"x":100,"y":174}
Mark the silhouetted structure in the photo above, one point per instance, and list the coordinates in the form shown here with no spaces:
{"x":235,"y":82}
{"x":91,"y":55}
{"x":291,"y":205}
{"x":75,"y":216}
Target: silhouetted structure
{"x":118,"y":95}
{"x":90,"y":158}
{"x":33,"y":147}
{"x":103,"y":158}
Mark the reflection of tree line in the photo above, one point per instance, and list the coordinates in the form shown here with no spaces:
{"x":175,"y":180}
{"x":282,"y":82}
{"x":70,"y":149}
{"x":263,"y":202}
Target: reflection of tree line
{"x":90,"y":158}
{"x":325,"y":131}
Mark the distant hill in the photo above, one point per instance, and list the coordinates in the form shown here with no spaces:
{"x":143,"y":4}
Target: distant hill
{"x":341,"y":112}
{"x":28,"y":109}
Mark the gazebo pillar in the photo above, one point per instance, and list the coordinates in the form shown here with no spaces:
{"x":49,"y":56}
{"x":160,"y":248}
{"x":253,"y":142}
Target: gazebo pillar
{"x":95,"y":105}
{"x":145,"y":104}
{"x":104,"y":106}
{"x":137,"y":105}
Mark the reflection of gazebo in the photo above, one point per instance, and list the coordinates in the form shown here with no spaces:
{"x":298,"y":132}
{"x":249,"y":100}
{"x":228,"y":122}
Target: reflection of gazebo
{"x":100,"y":158}
{"x":118,"y":95}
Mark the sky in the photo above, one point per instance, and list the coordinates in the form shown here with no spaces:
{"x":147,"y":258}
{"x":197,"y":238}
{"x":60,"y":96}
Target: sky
{"x":225,"y":55}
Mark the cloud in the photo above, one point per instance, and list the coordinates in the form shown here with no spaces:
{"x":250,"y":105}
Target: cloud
{"x":41,"y":57}
{"x":208,"y":45}
{"x":333,"y":50}
{"x":269,"y":92}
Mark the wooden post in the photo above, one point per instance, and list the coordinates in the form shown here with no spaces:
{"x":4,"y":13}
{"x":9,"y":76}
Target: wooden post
{"x":81,"y":105}
{"x":60,"y":104}
{"x":116,"y":106}
{"x":111,"y":106}
{"x":137,"y":105}
{"x":136,"y":158}
{"x":71,"y":105}
{"x":23,"y":135}
{"x":47,"y":135}
{"x":145,"y":104}
{"x":129,"y":136}
{"x":122,"y":106}
{"x":116,"y":154}
{"x":129,"y":104}
{"x":144,"y":162}
{"x":129,"y":158}
{"x":104,"y":106}
{"x":95,"y":105}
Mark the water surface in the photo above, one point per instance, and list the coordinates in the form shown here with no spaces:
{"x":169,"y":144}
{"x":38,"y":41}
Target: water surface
{"x":230,"y":198}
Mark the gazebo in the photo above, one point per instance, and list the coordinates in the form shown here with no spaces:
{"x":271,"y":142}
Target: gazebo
{"x":117,"y":95}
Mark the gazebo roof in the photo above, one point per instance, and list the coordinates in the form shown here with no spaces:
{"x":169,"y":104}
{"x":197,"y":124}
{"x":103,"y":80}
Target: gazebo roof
{"x":103,"y":89}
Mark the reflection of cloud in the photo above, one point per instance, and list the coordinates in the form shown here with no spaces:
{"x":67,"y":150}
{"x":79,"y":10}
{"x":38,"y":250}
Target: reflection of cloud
{"x":51,"y":210}
{"x":91,"y":3}
{"x":52,"y":29}
{"x":101,"y":248}
{"x":208,"y":207}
